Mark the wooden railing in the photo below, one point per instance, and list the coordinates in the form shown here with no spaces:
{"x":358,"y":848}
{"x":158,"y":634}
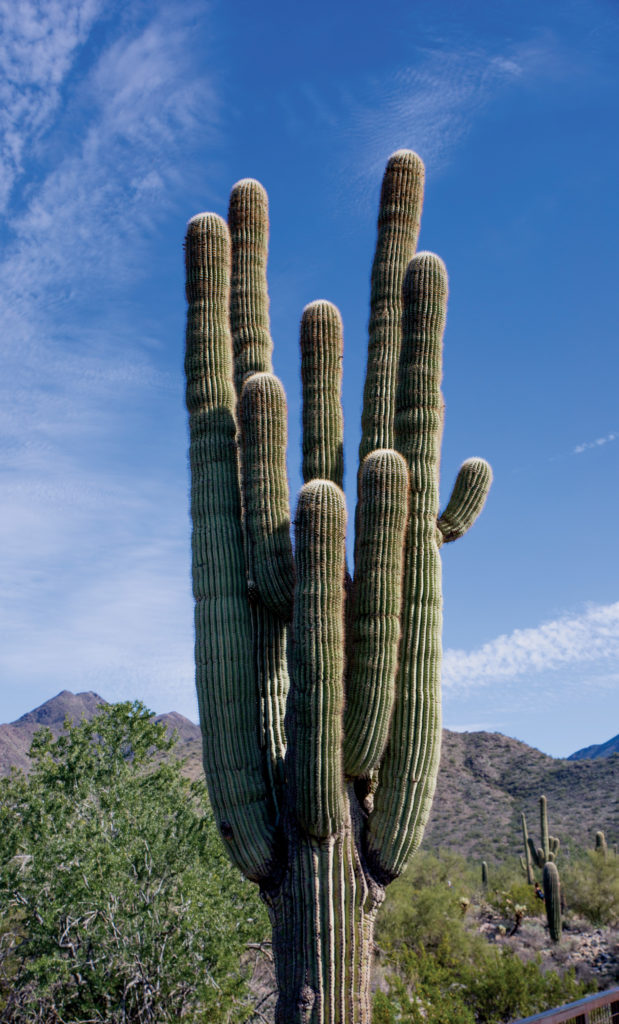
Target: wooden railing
{"x":602,"y":1008}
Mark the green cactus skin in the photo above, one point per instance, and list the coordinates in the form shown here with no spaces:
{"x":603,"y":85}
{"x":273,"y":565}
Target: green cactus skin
{"x":376,"y":607}
{"x":316,"y":701}
{"x":467,"y":500}
{"x":552,"y":899}
{"x":248,"y":221}
{"x":223,"y":650}
{"x":484,"y":874}
{"x":319,"y":697}
{"x":548,"y":851}
{"x":526,"y":861}
{"x":321,"y":377}
{"x":263,"y":422}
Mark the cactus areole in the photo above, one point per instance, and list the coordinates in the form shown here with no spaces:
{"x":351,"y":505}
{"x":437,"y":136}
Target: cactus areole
{"x":319,"y":694}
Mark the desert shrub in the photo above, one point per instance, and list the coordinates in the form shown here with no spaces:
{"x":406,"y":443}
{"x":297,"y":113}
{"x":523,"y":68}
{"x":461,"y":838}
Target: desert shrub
{"x":440,"y":970}
{"x":117,"y":903}
{"x":591,"y":887}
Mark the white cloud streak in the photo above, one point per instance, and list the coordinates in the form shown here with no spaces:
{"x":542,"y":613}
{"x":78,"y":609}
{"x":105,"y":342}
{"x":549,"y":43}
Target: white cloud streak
{"x":598,"y":443}
{"x":39,"y":41}
{"x":587,"y":640}
{"x":94,"y":575}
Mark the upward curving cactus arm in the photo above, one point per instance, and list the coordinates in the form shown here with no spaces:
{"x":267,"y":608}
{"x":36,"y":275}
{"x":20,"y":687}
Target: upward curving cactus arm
{"x":248,"y":221}
{"x":408,"y":771}
{"x":263,"y":421}
{"x":321,"y":377}
{"x":467,"y":500}
{"x":399,"y":218}
{"x":376,"y":608}
{"x":225,"y":676}
{"x":316,"y":703}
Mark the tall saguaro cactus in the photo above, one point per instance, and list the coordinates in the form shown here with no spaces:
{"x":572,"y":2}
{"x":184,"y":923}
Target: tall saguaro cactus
{"x":319,"y":694}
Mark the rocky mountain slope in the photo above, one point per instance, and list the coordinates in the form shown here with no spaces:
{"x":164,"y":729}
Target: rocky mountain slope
{"x":485,"y":781}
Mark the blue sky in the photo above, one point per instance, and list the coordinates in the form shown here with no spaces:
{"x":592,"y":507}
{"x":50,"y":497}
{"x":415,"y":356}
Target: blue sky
{"x":117,"y":123}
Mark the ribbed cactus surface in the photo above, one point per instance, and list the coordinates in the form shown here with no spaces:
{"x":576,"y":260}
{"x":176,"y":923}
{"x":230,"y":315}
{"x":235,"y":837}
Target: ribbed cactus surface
{"x":552,"y":899}
{"x":319,"y":692}
{"x":548,"y":851}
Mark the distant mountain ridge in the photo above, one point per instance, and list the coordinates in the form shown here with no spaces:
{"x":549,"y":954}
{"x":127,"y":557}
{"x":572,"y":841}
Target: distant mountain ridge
{"x":597,"y":750}
{"x":16,"y":737}
{"x":485,"y":781}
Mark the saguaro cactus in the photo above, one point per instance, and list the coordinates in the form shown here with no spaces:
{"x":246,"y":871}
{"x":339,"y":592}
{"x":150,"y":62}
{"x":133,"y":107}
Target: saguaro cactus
{"x":549,"y":849}
{"x":319,"y":695}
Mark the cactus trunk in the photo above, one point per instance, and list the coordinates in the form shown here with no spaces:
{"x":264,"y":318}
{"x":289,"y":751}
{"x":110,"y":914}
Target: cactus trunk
{"x":318,"y":693}
{"x":322,"y":914}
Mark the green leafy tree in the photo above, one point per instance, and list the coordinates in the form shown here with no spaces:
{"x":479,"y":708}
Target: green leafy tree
{"x":117,"y":903}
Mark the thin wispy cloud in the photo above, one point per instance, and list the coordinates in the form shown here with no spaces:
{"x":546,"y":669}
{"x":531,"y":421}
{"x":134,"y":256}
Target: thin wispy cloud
{"x":94,"y":578}
{"x":573,"y":641}
{"x":430,"y":105}
{"x":598,"y":443}
{"x":39,"y":42}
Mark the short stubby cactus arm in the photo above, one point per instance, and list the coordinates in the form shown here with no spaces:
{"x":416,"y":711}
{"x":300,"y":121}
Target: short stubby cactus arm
{"x":225,"y":670}
{"x":316,"y":698}
{"x":408,"y":772}
{"x":376,"y":607}
{"x":321,"y":378}
{"x":248,"y":221}
{"x":467,"y":500}
{"x":263,"y":421}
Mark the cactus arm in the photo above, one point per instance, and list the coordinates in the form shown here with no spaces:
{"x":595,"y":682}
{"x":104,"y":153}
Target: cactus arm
{"x":321,"y":376}
{"x":527,"y":852}
{"x":409,"y":769}
{"x":248,"y":221}
{"x":225,"y":674}
{"x":265,"y":487}
{"x":543,"y":815}
{"x":263,"y":422}
{"x":552,"y":899}
{"x":467,"y":500}
{"x":375,"y":637}
{"x":398,"y":228}
{"x":316,"y":699}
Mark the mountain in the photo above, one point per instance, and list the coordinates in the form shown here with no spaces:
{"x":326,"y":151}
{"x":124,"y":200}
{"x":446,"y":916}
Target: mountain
{"x":597,"y":750}
{"x":485,"y":781}
{"x":16,"y":737}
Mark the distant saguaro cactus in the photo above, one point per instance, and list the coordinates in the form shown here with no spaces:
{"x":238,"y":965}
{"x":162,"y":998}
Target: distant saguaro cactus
{"x":549,"y":849}
{"x":319,"y":696}
{"x":601,"y":845}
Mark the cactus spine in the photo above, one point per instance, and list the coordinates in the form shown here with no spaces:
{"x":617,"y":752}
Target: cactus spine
{"x":552,"y":899}
{"x":319,"y":697}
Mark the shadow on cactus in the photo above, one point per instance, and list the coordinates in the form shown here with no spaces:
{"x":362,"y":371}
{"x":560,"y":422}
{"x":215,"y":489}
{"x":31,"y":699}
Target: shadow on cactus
{"x":319,"y":692}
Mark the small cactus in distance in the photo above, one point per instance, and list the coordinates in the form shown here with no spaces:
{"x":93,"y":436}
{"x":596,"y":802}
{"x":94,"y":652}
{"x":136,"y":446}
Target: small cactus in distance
{"x":552,"y":899}
{"x":547,"y":852}
{"x":484,"y":874}
{"x":600,"y":844}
